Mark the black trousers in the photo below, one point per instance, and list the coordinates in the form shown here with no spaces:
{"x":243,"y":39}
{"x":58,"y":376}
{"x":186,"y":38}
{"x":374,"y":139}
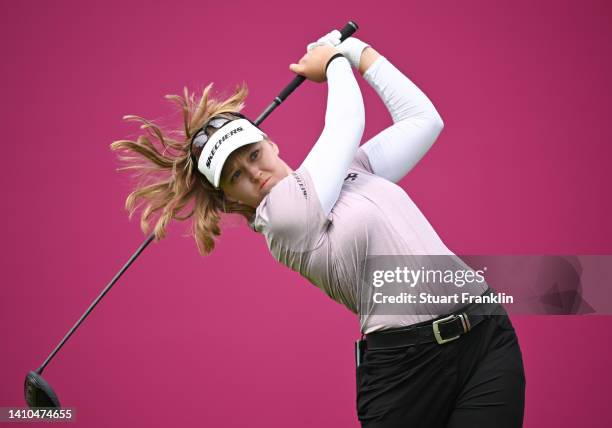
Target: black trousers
{"x":475,"y":381}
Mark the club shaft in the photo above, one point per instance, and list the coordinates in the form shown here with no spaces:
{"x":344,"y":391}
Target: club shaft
{"x":95,"y":302}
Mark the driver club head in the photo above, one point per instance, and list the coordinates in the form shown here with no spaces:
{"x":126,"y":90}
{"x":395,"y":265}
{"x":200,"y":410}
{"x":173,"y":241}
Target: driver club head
{"x":38,"y":393}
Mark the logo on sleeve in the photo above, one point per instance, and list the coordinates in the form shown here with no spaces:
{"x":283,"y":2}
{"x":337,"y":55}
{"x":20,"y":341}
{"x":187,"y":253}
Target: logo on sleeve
{"x":301,"y":184}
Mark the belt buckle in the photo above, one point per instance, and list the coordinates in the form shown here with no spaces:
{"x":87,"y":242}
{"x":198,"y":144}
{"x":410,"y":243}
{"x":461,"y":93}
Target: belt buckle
{"x":436,"y":329}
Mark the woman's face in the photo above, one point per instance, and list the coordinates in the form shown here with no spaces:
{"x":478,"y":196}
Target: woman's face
{"x":252,"y":171}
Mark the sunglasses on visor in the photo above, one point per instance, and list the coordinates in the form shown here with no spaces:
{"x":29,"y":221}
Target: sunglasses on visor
{"x":200,"y":138}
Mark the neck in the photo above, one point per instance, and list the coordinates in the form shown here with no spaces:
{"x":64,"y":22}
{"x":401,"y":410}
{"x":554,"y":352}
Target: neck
{"x":288,"y":169}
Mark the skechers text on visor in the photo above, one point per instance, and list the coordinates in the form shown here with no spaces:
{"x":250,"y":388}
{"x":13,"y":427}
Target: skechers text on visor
{"x":222,"y":143}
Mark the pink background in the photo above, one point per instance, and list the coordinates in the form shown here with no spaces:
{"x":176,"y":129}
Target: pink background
{"x":235,"y":339}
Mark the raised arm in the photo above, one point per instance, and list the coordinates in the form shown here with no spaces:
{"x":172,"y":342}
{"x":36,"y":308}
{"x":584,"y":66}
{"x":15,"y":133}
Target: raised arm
{"x":416,"y":123}
{"x":329,"y":159}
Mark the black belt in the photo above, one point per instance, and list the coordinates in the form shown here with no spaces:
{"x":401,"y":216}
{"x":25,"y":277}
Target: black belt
{"x":443,"y":329}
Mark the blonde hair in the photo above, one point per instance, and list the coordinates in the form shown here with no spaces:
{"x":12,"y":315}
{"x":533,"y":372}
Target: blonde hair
{"x":169,"y":180}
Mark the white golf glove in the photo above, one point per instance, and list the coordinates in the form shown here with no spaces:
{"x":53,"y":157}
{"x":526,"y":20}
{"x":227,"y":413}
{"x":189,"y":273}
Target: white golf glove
{"x":351,"y":48}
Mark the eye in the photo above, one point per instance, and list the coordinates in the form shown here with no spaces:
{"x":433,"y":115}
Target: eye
{"x":235,"y":176}
{"x":254,"y":154}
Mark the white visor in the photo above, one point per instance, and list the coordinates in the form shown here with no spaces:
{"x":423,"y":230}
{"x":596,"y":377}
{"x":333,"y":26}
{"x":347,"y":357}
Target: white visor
{"x":222,"y":143}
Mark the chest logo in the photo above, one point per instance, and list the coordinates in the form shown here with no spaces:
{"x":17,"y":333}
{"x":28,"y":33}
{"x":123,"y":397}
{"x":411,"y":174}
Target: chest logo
{"x":351,"y":176}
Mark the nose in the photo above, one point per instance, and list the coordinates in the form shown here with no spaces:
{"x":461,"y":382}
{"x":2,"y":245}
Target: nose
{"x":255,"y":174}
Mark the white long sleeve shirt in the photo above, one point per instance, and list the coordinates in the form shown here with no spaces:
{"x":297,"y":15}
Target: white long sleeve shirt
{"x":340,"y":212}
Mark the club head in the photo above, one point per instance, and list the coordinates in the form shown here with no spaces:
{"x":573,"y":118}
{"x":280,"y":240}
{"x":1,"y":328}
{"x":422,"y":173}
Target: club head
{"x":38,"y":393}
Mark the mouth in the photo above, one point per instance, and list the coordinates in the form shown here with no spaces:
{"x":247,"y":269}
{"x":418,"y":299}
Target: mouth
{"x":264,"y":183}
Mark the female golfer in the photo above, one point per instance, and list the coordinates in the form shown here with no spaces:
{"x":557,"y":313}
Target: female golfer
{"x":340,"y":220}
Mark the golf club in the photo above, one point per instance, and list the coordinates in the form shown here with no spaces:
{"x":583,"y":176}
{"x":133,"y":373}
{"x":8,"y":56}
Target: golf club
{"x":38,"y":393}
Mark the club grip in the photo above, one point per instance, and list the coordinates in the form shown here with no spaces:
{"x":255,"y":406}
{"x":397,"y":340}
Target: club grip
{"x":345,"y":32}
{"x":297,"y":81}
{"x":348,"y":30}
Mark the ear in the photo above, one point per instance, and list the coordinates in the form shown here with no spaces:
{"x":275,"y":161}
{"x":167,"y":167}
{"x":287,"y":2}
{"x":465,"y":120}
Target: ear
{"x":274,"y":147}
